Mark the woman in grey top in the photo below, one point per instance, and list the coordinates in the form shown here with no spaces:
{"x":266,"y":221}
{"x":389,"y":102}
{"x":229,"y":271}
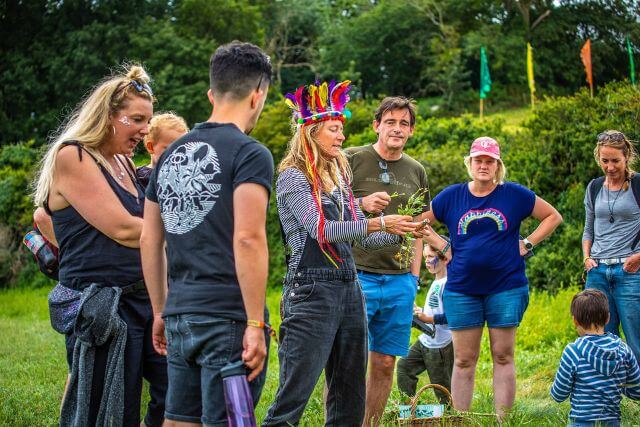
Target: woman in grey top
{"x":612,"y":233}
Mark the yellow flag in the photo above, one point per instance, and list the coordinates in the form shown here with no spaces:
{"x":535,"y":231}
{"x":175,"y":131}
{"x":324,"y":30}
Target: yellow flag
{"x":532,"y":83}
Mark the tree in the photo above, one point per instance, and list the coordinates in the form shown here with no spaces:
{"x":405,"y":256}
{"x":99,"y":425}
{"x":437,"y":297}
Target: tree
{"x":221,"y":21}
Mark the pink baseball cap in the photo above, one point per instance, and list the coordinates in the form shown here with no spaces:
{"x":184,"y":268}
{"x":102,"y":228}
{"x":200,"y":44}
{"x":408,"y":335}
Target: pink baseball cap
{"x":485,"y":146}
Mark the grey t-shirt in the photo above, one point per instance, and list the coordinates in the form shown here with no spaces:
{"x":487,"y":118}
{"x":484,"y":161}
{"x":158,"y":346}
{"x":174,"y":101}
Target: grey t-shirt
{"x":611,"y":240}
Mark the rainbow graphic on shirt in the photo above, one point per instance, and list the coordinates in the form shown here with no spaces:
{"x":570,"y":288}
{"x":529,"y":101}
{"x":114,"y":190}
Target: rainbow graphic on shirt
{"x":474,"y":214}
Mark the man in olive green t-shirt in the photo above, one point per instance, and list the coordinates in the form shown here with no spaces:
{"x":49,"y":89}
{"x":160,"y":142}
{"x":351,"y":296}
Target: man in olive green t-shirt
{"x":379,"y":171}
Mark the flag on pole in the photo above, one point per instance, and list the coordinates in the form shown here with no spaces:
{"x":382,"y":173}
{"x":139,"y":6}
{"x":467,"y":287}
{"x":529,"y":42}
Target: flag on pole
{"x":632,"y":65}
{"x":485,"y":78}
{"x":532,"y":83}
{"x":585,"y":55}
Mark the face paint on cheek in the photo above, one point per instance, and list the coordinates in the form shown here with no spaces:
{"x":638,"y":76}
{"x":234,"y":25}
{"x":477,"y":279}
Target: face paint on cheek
{"x":125,"y":121}
{"x":433,"y":262}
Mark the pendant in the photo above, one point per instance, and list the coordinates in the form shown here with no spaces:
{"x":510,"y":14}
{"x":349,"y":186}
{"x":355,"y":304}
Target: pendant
{"x":611,"y":219}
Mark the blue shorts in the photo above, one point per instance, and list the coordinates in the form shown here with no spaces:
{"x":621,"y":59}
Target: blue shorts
{"x":502,"y":310}
{"x":198,"y":346}
{"x":389,"y":299}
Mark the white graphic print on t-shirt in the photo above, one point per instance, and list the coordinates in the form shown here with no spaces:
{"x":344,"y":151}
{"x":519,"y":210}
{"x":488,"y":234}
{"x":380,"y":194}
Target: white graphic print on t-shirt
{"x":186,"y":186}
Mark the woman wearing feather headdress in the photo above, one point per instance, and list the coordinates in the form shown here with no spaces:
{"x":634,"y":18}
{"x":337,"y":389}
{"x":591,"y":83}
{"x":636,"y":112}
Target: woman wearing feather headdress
{"x":324,"y":324}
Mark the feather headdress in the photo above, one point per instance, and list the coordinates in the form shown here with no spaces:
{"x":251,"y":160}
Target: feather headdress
{"x":319,"y":102}
{"x":312,"y":104}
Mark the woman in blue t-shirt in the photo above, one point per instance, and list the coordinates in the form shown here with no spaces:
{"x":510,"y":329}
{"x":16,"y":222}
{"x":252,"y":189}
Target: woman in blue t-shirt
{"x":486,"y":275}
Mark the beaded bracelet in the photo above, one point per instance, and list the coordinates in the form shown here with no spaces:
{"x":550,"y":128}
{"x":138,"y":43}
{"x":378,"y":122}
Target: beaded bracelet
{"x":257,"y":324}
{"x":444,"y":250}
{"x":265,"y":326}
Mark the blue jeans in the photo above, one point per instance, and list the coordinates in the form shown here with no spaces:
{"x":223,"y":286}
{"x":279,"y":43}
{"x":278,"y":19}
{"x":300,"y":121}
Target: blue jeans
{"x":198,"y":346}
{"x":623,"y":292}
{"x":389,"y":300}
{"x":323,"y":327}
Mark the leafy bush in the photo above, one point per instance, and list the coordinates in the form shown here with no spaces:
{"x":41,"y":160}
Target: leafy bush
{"x":554,"y":157}
{"x":551,"y":153}
{"x":17,"y":165}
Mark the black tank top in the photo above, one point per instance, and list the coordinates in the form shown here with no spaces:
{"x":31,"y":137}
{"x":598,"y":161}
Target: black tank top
{"x":88,"y":256}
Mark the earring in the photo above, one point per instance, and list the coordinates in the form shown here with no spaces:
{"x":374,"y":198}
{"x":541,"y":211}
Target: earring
{"x":114,"y":130}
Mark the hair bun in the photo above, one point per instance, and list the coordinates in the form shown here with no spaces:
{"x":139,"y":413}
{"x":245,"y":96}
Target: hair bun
{"x":137,"y":73}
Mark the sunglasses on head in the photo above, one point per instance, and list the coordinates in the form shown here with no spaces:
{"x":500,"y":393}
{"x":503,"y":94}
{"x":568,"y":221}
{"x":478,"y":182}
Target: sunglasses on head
{"x":614,"y":136}
{"x":140,"y":87}
{"x":384,"y":176}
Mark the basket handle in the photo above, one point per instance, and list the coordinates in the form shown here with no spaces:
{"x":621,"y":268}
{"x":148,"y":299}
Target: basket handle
{"x":414,"y":401}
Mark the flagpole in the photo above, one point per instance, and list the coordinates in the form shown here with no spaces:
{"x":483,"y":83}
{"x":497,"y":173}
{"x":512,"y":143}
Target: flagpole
{"x":632,"y":66}
{"x":481,"y":108}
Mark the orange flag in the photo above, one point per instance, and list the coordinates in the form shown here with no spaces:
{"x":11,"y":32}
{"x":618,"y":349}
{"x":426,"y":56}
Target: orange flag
{"x":585,"y":55}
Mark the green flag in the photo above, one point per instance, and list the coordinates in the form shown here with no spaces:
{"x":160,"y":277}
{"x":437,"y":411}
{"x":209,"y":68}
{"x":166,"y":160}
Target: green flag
{"x":632,"y":65}
{"x":485,"y":78}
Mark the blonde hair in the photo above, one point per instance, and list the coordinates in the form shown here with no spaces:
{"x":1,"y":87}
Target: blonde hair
{"x":89,"y":123}
{"x":163,"y":121}
{"x":618,"y":140}
{"x":501,"y":172}
{"x":329,"y":171}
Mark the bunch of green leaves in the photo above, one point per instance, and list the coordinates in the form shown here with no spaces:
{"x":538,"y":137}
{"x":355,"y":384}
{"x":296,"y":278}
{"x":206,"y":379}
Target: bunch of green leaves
{"x":414,"y":206}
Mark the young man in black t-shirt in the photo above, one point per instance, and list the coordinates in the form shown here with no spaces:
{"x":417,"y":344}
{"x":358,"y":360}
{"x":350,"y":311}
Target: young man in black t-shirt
{"x":208,"y":199}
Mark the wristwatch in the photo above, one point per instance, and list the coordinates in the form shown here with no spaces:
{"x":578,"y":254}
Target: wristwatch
{"x":527,"y":244}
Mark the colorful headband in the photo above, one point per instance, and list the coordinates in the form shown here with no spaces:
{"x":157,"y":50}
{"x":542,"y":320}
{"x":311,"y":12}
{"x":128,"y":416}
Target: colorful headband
{"x":319,"y":102}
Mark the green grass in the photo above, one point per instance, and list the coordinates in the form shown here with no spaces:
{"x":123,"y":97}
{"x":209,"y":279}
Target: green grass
{"x":33,"y":367}
{"x":513,"y":117}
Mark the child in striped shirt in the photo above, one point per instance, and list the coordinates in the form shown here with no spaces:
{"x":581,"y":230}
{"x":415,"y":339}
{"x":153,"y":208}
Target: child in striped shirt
{"x":597,"y":368}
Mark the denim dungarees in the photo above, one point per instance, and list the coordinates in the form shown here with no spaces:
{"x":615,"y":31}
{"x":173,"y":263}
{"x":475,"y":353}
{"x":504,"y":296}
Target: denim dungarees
{"x":324,"y":326}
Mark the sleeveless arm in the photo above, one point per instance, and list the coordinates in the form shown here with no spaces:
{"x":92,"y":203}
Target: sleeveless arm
{"x":82,"y":185}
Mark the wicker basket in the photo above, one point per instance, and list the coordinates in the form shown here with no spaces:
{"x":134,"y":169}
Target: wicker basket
{"x":447,"y":419}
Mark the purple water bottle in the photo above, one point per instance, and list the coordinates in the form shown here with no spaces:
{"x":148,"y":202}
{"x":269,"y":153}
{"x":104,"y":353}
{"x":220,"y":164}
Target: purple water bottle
{"x":237,"y":395}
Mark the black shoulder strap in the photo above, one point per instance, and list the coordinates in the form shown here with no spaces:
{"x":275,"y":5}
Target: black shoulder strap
{"x":287,"y":249}
{"x":45,"y":204}
{"x":82,"y":149}
{"x":594,"y":188}
{"x":635,"y":187}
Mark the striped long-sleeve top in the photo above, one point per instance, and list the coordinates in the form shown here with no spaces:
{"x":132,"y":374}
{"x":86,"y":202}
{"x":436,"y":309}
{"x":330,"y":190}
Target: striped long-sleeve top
{"x":299,"y":217}
{"x":596,"y":370}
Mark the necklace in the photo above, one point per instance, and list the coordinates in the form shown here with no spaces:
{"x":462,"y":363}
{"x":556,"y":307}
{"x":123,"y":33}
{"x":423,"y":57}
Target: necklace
{"x":120,"y":174}
{"x":612,"y":205}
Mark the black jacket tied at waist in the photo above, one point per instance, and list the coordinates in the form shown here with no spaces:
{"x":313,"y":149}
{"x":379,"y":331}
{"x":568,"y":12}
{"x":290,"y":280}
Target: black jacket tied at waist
{"x":97,"y":324}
